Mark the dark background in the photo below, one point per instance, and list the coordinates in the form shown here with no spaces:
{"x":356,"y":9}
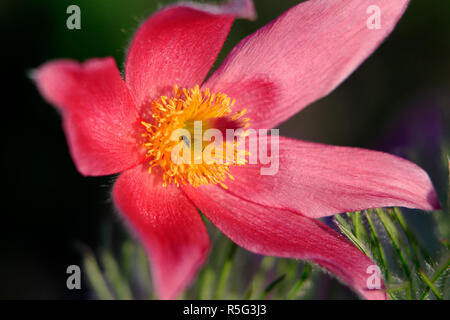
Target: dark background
{"x":396,"y":101}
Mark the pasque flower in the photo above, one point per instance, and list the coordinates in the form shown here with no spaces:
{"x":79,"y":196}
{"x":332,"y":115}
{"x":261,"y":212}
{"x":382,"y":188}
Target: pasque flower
{"x":114,"y":125}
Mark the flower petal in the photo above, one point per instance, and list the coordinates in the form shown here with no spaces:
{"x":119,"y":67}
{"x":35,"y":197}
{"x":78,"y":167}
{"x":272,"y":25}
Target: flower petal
{"x":99,"y":115}
{"x":317,"y":180}
{"x":178,"y":45}
{"x":303,"y":55}
{"x":280,"y":233}
{"x":168,"y":225}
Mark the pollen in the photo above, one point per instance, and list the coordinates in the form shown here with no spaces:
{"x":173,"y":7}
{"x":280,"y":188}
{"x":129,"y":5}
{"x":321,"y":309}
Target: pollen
{"x":174,"y":138}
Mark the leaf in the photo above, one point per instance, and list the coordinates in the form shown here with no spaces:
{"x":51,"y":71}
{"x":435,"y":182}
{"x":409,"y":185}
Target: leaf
{"x":143,"y":274}
{"x":294,"y":292}
{"x":435,"y":278}
{"x":249,"y":293}
{"x":127,"y":252}
{"x":271,"y":286}
{"x":259,"y":278}
{"x":116,"y":280}
{"x":395,"y":239}
{"x":348,"y":233}
{"x":225,"y":271}
{"x":206,"y":282}
{"x":95,"y":276}
{"x":358,"y":225}
{"x":378,"y":247}
{"x":415,"y":247}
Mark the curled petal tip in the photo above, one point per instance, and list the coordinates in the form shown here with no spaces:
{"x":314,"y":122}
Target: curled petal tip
{"x":329,"y":179}
{"x":433,"y":201}
{"x":242,"y":8}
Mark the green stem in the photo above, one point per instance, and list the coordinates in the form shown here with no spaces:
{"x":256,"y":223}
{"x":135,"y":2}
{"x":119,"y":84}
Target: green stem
{"x":360,"y":231}
{"x":206,"y":280}
{"x":306,"y":272}
{"x":259,"y":278}
{"x":435,"y":278}
{"x":391,"y":233}
{"x":348,"y":233}
{"x":430,"y":284}
{"x":375,"y":238}
{"x":95,"y":276}
{"x":271,"y":286}
{"x":115,"y":278}
{"x":409,"y":235}
{"x":224,"y":274}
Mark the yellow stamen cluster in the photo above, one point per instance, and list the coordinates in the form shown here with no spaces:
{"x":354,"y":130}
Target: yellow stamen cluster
{"x":180,"y":112}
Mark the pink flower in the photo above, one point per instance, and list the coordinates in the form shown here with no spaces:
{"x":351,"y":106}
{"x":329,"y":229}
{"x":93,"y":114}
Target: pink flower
{"x":114,"y":125}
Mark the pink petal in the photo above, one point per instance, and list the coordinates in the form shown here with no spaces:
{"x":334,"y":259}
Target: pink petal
{"x":302,"y":56}
{"x":167,"y":224}
{"x":99,"y":116}
{"x":178,"y":45}
{"x":317,"y":180}
{"x":275,"y":232}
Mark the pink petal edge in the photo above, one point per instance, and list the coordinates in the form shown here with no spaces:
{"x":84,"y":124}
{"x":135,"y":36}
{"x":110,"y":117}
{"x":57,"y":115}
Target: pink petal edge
{"x":318,"y":180}
{"x":99,"y":115}
{"x":302,"y":56}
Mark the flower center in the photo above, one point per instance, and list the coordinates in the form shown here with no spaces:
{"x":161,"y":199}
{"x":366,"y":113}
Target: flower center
{"x":176,"y":140}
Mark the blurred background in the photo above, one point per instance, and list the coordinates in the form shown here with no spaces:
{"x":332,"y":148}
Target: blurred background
{"x":397,"y":101}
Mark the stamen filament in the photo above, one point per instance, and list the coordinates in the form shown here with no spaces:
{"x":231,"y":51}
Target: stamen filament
{"x":180,"y":112}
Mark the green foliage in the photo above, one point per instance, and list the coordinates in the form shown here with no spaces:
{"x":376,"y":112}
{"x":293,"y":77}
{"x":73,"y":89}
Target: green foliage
{"x":419,"y":273}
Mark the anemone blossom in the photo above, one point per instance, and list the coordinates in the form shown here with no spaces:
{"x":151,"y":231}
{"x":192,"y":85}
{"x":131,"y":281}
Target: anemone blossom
{"x":114,"y":125}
